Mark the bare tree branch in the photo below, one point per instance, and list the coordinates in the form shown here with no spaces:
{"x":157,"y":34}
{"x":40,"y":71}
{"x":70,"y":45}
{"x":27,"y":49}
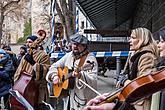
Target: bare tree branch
{"x":60,"y":12}
{"x":65,"y":6}
{"x":11,"y":10}
{"x":13,"y":18}
{"x":10,"y":4}
{"x":62,"y":17}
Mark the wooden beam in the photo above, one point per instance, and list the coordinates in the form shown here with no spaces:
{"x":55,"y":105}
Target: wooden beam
{"x":110,"y":33}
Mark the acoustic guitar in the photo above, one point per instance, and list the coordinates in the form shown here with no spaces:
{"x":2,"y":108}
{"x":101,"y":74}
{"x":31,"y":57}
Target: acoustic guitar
{"x":66,"y":79}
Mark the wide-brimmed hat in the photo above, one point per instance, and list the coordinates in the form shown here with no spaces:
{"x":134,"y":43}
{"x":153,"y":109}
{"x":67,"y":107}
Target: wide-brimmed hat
{"x":78,"y":38}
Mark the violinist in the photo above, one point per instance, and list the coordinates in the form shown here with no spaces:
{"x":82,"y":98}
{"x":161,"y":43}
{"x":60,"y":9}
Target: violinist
{"x":158,"y":99}
{"x":141,"y":62}
{"x":38,"y":65}
{"x":77,"y":58}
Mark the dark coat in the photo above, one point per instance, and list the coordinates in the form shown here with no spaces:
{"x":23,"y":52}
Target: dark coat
{"x":6,"y":74}
{"x":161,"y":65}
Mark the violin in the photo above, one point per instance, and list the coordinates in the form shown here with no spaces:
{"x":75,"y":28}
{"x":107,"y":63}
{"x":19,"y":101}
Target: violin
{"x":139,"y":88}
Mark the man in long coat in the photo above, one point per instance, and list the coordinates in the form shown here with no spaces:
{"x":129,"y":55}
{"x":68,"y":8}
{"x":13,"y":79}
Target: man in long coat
{"x":80,"y":94}
{"x":37,"y":64}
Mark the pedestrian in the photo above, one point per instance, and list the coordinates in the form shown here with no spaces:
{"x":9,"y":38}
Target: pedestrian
{"x":6,"y":74}
{"x":13,"y":56}
{"x":23,"y":51}
{"x":141,"y":62}
{"x":74,"y":60}
{"x":38,"y":65}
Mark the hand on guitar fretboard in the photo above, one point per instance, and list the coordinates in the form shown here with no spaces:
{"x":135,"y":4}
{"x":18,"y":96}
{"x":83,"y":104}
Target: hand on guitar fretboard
{"x":76,"y":74}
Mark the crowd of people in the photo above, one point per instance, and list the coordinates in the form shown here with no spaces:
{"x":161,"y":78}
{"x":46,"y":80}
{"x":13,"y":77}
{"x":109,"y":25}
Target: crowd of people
{"x":81,"y":67}
{"x":144,"y":60}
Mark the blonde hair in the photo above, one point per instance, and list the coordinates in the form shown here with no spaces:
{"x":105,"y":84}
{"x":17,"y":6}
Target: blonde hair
{"x":145,"y":38}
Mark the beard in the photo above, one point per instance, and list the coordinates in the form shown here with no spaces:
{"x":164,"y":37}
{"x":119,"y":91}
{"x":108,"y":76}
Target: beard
{"x":76,"y":53}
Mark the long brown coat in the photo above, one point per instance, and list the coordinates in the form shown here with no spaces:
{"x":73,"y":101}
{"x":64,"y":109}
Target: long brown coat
{"x":42,"y":65}
{"x":145,"y":65}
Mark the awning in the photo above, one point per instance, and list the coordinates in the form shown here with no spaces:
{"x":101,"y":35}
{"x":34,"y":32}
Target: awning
{"x":109,"y":14}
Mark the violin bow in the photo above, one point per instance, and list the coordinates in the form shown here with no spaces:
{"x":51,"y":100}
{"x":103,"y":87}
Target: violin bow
{"x":90,"y":87}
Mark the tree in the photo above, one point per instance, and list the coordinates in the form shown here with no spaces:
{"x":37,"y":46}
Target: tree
{"x":5,"y":7}
{"x":27,"y":31}
{"x":28,"y":28}
{"x":67,"y":14}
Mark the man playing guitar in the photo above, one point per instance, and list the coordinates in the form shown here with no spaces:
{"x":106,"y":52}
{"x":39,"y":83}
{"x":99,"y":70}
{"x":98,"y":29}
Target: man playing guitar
{"x":74,"y":60}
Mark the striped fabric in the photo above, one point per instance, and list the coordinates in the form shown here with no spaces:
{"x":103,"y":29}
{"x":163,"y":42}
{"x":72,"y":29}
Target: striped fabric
{"x":98,"y":54}
{"x":53,"y":11}
{"x":77,"y":20}
{"x":53,"y":19}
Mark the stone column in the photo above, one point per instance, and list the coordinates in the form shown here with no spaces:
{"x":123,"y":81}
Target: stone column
{"x":118,"y":66}
{"x":40,"y":10}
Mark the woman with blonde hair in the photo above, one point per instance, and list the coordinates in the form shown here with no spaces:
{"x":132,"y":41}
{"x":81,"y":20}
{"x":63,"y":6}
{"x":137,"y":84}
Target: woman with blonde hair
{"x":141,"y":62}
{"x":145,"y":53}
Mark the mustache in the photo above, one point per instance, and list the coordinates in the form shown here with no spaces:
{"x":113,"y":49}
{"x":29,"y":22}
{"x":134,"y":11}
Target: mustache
{"x":76,"y":53}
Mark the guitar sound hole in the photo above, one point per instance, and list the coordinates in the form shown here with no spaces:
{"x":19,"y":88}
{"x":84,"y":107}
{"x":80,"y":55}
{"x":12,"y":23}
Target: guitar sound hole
{"x":63,"y":78}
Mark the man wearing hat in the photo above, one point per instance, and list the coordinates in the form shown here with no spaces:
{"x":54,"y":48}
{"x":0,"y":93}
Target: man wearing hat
{"x":75,"y":60}
{"x":37,"y":64}
{"x":23,"y":50}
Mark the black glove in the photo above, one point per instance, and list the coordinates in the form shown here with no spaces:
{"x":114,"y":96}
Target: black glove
{"x":29,"y":58}
{"x":121,"y":79}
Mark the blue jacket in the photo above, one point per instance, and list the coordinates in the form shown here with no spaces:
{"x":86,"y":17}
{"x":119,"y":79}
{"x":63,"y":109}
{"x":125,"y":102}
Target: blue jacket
{"x":6,"y":73}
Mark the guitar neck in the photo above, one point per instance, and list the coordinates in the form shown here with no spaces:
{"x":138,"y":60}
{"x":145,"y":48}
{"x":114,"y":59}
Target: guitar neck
{"x":86,"y":67}
{"x":68,"y":76}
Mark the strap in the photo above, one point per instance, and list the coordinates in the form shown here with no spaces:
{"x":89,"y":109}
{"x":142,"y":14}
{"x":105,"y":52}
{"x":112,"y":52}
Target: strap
{"x":82,"y":60}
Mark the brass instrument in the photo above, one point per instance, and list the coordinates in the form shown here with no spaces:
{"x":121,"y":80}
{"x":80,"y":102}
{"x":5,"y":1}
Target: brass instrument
{"x":41,"y":37}
{"x":41,"y":33}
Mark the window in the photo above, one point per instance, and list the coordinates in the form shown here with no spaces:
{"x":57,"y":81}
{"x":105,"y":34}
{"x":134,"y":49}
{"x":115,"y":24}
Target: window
{"x":82,"y":24}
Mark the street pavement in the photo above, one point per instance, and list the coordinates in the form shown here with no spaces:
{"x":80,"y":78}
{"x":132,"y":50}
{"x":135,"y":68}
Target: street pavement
{"x":106,"y":83}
